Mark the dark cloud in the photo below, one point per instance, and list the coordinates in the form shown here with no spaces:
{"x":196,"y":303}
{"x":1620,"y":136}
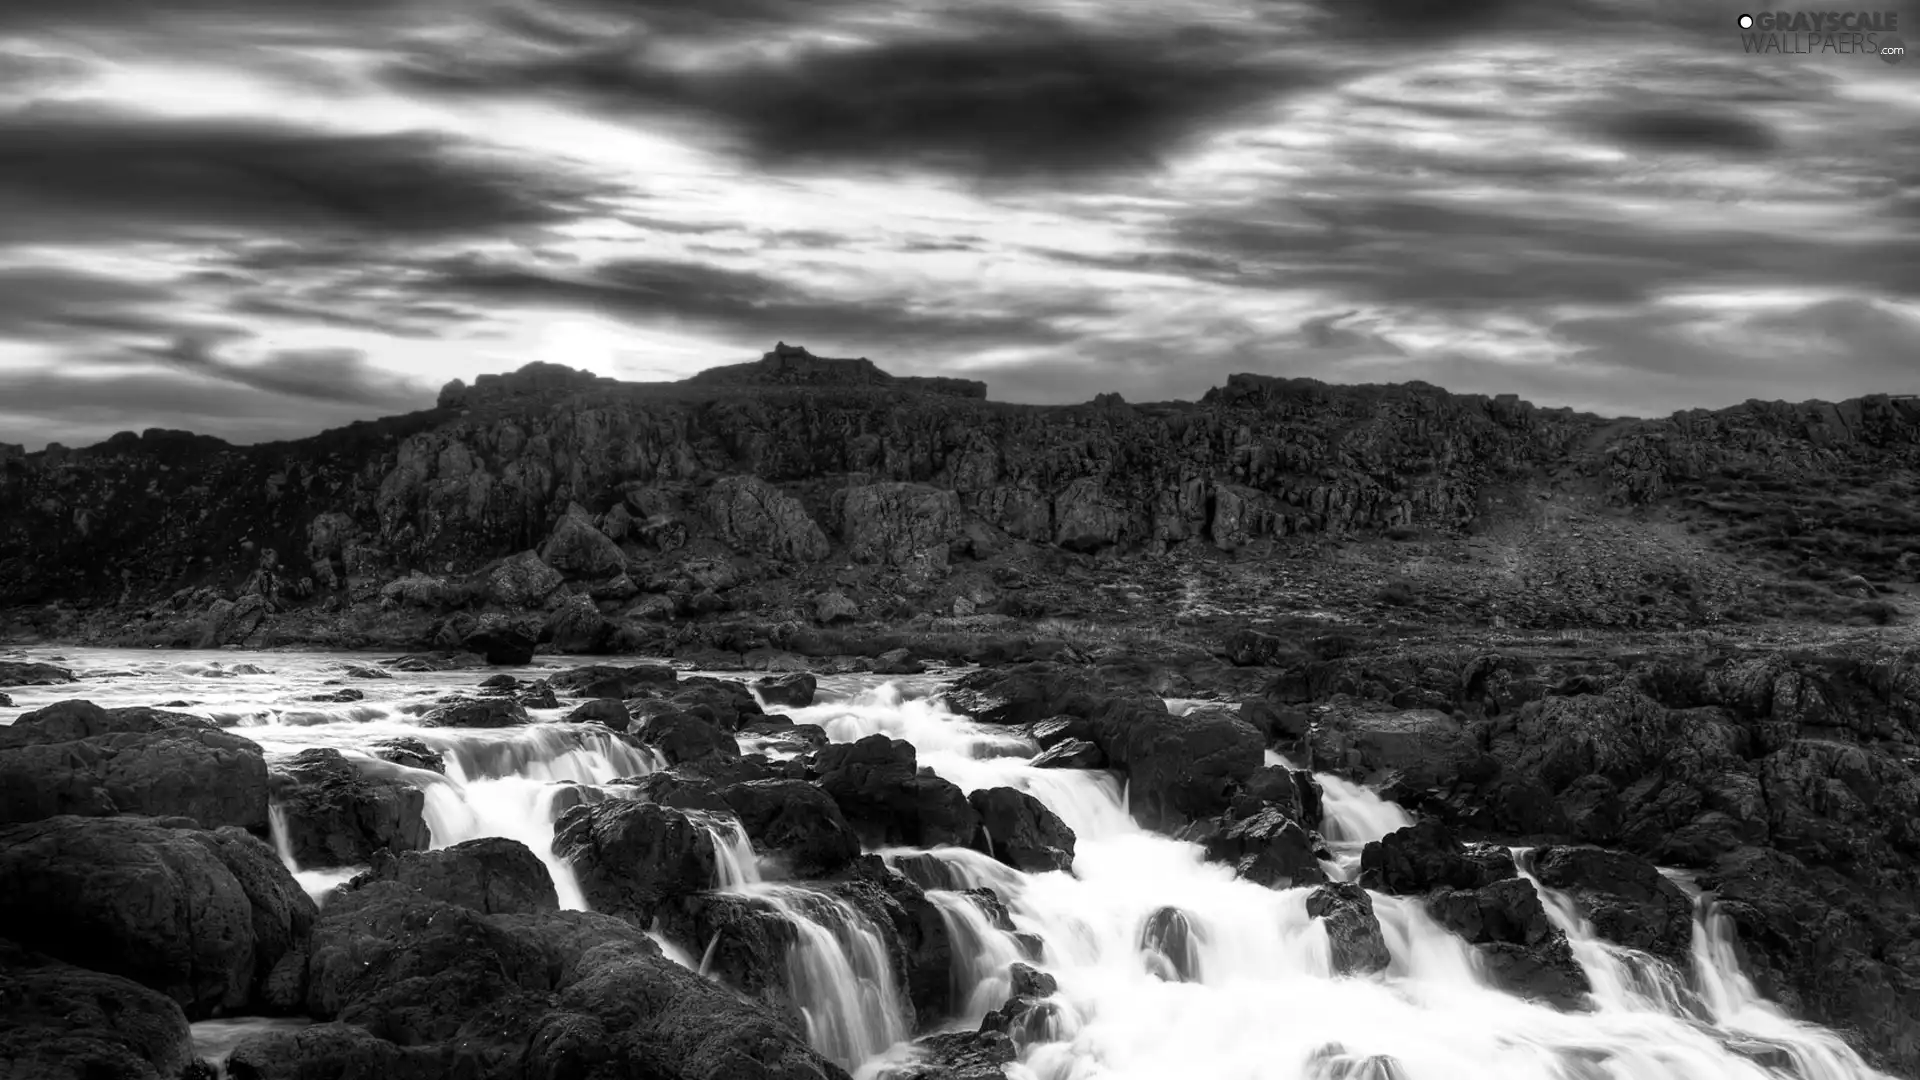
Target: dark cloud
{"x":756,"y":308}
{"x":1690,"y":130}
{"x":25,"y":15}
{"x":1004,"y":97}
{"x":330,"y":376}
{"x":49,"y":303}
{"x":1459,"y":256}
{"x":71,"y":175}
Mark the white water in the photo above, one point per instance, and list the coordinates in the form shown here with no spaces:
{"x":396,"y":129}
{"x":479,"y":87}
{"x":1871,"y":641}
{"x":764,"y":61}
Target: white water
{"x":1261,"y":1005}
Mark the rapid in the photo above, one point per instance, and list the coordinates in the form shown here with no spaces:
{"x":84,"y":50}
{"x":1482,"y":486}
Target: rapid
{"x":1250,"y":994}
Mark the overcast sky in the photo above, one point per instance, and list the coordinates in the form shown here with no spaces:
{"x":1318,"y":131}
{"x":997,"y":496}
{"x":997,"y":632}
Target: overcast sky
{"x":259,"y":218}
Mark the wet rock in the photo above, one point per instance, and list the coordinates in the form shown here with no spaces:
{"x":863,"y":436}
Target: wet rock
{"x":77,"y":758}
{"x":796,"y":822}
{"x":1071,"y":754}
{"x":26,"y":673}
{"x":897,"y":662}
{"x":878,"y":786}
{"x":1353,"y":930}
{"x":1055,"y":730}
{"x":1426,"y":856}
{"x":1179,"y":768}
{"x":1170,"y":942}
{"x":1024,"y":694}
{"x":340,"y":811}
{"x":613,"y":680}
{"x":492,"y":875}
{"x":1022,"y":832}
{"x":794,"y":689}
{"x":1626,"y":898}
{"x":680,"y":792}
{"x":408,"y":751}
{"x":608,"y":712}
{"x":338,"y":697}
{"x":1269,"y":849}
{"x":553,"y":994}
{"x":1336,"y":1062}
{"x":202,"y":917}
{"x":367,"y":671}
{"x":632,"y":857}
{"x":5,"y":702}
{"x":743,"y":942}
{"x":682,"y":737}
{"x":960,"y":1055}
{"x":537,"y":695}
{"x":60,"y":1022}
{"x":481,"y":713}
{"x":503,"y":642}
{"x":1026,"y":1017}
{"x":928,"y":871}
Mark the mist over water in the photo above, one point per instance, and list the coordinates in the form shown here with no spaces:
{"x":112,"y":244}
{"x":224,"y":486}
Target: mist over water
{"x":1249,"y":995}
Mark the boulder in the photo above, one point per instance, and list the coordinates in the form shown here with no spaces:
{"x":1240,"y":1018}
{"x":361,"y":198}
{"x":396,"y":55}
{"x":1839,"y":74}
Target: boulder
{"x":682,"y":737}
{"x":1269,"y":848}
{"x":1179,"y":768}
{"x":1024,"y":694}
{"x":614,"y":681}
{"x":1071,"y":754}
{"x":502,"y":641}
{"x":1426,"y":856}
{"x":577,"y":626}
{"x":28,"y":673}
{"x":60,"y":1022}
{"x":833,"y":607}
{"x":74,"y":757}
{"x":339,"y":811}
{"x":794,"y":689}
{"x":408,"y":751}
{"x":753,"y":516}
{"x":893,"y":523}
{"x":427,"y":985}
{"x":1353,"y":931}
{"x":1022,"y":832}
{"x":610,"y":713}
{"x":888,"y":800}
{"x":477,"y":713}
{"x":491,"y":875}
{"x":632,"y":857}
{"x":897,"y":662}
{"x":202,"y":917}
{"x":578,"y":550}
{"x":1170,"y":942}
{"x":796,"y":822}
{"x":1625,"y":897}
{"x":959,"y":1055}
{"x":522,"y":581}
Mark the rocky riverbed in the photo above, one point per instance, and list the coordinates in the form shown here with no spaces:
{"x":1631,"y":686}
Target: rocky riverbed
{"x":1316,"y":860}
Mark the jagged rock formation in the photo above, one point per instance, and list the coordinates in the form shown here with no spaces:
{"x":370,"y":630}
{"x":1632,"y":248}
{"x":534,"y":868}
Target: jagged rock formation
{"x":678,"y":500}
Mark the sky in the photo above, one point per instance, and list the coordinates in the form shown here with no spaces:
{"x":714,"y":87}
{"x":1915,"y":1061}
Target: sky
{"x":262,"y":218}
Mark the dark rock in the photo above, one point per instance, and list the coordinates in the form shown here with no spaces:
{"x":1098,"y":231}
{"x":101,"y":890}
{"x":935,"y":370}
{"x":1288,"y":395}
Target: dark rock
{"x":77,"y":758}
{"x":342,"y":696}
{"x":1071,"y":754}
{"x":833,"y":607}
{"x":897,"y":662}
{"x":1055,"y":730}
{"x":481,"y":713}
{"x":1024,"y":694}
{"x":1022,"y":832}
{"x":60,"y":1022}
{"x":1626,"y":898}
{"x":339,"y":811}
{"x":23,"y":673}
{"x":405,"y":663}
{"x":794,"y":689}
{"x":633,"y":857}
{"x":1269,"y":849}
{"x":409,"y":751}
{"x":879,"y":788}
{"x":751,"y":514}
{"x":959,"y":1055}
{"x":203,"y":917}
{"x":608,"y":712}
{"x":1353,"y":931}
{"x":578,"y":550}
{"x":928,"y":871}
{"x":503,"y":642}
{"x":492,"y":875}
{"x":614,"y":681}
{"x":680,"y":792}
{"x":1171,"y":942}
{"x":538,"y":695}
{"x":1426,"y":856}
{"x":797,"y":822}
{"x":682,"y":737}
{"x":1179,"y":767}
{"x":499,"y":682}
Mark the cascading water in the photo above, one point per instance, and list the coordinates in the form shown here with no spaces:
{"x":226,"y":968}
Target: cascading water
{"x":1243,"y":991}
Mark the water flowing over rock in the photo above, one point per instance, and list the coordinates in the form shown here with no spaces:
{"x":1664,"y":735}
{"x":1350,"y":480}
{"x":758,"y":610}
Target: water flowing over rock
{"x":633,"y":857}
{"x":1022,"y":832}
{"x":1352,"y":929}
{"x":334,"y":811}
{"x":797,"y":822}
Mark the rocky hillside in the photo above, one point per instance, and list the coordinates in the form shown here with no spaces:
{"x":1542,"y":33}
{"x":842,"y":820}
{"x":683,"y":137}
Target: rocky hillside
{"x":811,"y":489}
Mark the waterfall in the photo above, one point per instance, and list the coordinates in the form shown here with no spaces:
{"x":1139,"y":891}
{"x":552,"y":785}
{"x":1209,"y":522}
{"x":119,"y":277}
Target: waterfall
{"x":983,"y":955}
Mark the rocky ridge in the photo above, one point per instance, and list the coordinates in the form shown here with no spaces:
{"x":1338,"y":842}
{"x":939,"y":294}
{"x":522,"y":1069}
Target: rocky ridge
{"x":816,"y":491}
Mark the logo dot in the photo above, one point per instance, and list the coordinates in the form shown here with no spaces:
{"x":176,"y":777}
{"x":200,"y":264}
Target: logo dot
{"x":1746,"y":22}
{"x":1892,"y":49}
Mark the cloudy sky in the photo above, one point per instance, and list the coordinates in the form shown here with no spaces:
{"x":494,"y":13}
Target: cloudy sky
{"x":259,"y":218}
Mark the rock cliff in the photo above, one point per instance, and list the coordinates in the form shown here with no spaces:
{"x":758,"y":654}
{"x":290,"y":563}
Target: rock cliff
{"x":765,"y":486}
